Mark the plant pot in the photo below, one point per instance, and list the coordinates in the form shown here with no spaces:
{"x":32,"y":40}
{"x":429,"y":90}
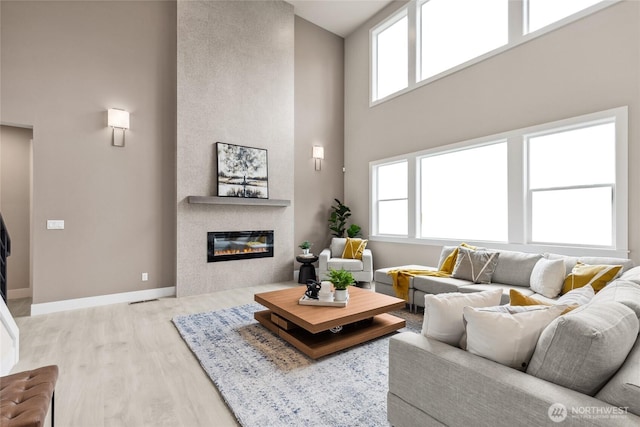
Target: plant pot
{"x":341,"y":295}
{"x":305,"y":252}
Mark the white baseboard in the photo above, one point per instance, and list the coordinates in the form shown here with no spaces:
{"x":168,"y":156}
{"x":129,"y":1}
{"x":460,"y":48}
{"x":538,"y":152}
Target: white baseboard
{"x":73,"y":304}
{"x":18,"y":293}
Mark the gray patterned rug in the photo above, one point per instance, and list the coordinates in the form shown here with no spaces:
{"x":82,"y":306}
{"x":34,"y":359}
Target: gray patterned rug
{"x":267,"y":382}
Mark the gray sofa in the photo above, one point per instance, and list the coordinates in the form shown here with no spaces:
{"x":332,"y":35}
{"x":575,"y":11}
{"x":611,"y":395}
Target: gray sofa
{"x":513,"y":271}
{"x":433,"y":383}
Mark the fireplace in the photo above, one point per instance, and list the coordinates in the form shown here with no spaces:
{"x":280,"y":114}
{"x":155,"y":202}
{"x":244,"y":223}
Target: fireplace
{"x":232,"y":245}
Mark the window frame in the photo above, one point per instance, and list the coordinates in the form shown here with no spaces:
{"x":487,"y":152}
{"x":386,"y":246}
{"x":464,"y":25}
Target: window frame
{"x":519,"y":204}
{"x":518,"y":24}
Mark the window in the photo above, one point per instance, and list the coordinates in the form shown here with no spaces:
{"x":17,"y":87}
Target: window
{"x":449,"y":38}
{"x":429,"y":39}
{"x":571,"y":185}
{"x":552,"y":187}
{"x":391,"y":53}
{"x":541,"y":13}
{"x":391,"y":198}
{"x":457,"y":189}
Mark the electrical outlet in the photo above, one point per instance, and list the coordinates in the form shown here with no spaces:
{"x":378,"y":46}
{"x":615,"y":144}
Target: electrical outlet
{"x":145,"y":277}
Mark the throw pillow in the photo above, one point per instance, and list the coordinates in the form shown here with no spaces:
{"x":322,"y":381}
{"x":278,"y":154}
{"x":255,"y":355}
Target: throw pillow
{"x":518,"y":299}
{"x":547,"y":277}
{"x":450,"y":261}
{"x":580,"y":296}
{"x":595,"y":275}
{"x":354,"y":248}
{"x":507,"y":338}
{"x":475,"y":266}
{"x":583,"y":349}
{"x":443,"y":313}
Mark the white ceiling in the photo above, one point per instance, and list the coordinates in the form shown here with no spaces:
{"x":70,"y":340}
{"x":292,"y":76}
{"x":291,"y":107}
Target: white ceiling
{"x":341,"y":17}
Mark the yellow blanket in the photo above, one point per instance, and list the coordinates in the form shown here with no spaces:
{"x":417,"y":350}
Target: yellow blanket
{"x":401,"y":278}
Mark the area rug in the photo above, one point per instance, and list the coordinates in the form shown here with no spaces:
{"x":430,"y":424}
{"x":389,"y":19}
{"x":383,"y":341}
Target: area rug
{"x":267,"y":382}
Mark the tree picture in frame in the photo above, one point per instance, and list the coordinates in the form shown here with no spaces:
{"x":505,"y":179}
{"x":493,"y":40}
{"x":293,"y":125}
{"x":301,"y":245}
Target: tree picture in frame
{"x":242,"y":171}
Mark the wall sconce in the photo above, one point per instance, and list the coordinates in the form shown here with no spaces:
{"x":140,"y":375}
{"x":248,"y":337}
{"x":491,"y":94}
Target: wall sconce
{"x":118,"y":119}
{"x":318,"y":155}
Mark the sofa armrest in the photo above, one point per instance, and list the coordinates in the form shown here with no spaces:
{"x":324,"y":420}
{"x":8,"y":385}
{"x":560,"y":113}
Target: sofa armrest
{"x":323,"y":260}
{"x":367,"y":260}
{"x":436,"y":378}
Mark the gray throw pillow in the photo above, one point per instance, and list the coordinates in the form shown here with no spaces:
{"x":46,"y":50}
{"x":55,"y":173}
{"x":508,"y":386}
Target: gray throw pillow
{"x":584,"y":348}
{"x":475,"y":266}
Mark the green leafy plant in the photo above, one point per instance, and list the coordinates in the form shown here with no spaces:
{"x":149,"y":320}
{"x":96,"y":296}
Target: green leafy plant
{"x":305,"y":245}
{"x":338,"y":218}
{"x":341,"y":279}
{"x":354,"y":231}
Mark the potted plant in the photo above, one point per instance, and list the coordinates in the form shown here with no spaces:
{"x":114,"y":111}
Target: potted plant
{"x":354,"y":231}
{"x":305,"y":247}
{"x":338,"y":218}
{"x":341,"y":280}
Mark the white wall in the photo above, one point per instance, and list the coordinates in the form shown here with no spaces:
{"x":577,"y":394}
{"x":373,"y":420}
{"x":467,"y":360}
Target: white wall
{"x":590,"y":65}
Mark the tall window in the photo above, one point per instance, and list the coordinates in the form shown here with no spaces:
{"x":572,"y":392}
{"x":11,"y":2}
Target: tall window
{"x":560,"y":184}
{"x":391,"y":53}
{"x":572,"y":175}
{"x":392,"y":198}
{"x":449,"y":38}
{"x":464,"y":194}
{"x":428,"y":39}
{"x":540,"y":13}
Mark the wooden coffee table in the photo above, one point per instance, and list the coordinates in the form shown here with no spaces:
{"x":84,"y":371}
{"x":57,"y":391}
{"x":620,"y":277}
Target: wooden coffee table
{"x":307,"y":328}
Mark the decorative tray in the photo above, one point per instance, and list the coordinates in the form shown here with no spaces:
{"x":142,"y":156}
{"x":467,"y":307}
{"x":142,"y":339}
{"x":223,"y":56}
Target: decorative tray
{"x":305,"y":300}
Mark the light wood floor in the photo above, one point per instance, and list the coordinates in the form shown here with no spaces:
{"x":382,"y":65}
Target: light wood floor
{"x":126,"y":365}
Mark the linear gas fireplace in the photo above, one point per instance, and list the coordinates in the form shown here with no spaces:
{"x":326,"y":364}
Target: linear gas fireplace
{"x":232,"y":245}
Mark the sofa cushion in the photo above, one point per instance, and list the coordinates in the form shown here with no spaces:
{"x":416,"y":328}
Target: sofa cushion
{"x":571,"y":261}
{"x":514,"y":268}
{"x":476,"y":266}
{"x":632,"y":275}
{"x":623,"y":291}
{"x":623,"y":390}
{"x":508,"y":338}
{"x":438,"y":285}
{"x":586,"y":274}
{"x":583,"y":349}
{"x":353,"y":248}
{"x":344,"y":263}
{"x":337,"y":246}
{"x":547,"y":277}
{"x":443,"y":313}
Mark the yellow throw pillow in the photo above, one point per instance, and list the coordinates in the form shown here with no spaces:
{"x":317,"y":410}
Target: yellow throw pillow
{"x":450,"y":262}
{"x":518,"y":298}
{"x":354,"y":248}
{"x":595,"y":275}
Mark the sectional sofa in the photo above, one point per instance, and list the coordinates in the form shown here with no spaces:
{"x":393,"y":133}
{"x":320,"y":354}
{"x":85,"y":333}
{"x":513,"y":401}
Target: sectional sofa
{"x":585,"y":369}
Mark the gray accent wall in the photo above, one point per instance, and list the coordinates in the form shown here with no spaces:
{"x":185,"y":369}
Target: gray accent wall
{"x":235,"y":85}
{"x":590,"y":65}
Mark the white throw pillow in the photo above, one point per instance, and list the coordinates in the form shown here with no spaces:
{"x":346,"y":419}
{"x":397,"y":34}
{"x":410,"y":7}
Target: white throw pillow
{"x":547,"y":277}
{"x":506,"y":338}
{"x":443,"y":313}
{"x":579,"y":296}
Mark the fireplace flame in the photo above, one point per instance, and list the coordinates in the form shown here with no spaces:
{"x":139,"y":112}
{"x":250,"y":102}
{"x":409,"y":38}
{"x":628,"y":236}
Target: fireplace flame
{"x":240,"y":251}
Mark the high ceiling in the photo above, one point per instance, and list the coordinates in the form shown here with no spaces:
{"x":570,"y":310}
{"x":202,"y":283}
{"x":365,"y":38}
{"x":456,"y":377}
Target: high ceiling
{"x":341,"y":17}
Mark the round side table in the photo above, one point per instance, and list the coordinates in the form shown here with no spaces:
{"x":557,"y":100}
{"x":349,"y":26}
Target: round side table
{"x":307,"y":270}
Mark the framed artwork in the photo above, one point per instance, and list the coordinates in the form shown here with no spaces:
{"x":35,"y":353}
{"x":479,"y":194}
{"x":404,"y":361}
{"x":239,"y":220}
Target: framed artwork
{"x":242,"y":171}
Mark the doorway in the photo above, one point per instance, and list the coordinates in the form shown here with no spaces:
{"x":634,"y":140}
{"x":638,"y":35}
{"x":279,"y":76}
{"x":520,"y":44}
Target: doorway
{"x":16,"y":184}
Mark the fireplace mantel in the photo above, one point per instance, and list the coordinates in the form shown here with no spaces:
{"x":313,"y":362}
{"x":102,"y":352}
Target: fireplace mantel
{"x":244,"y":201}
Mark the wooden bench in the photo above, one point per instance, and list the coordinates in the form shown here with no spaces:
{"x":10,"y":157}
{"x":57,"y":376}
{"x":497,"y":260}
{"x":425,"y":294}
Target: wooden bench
{"x":25,"y":397}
